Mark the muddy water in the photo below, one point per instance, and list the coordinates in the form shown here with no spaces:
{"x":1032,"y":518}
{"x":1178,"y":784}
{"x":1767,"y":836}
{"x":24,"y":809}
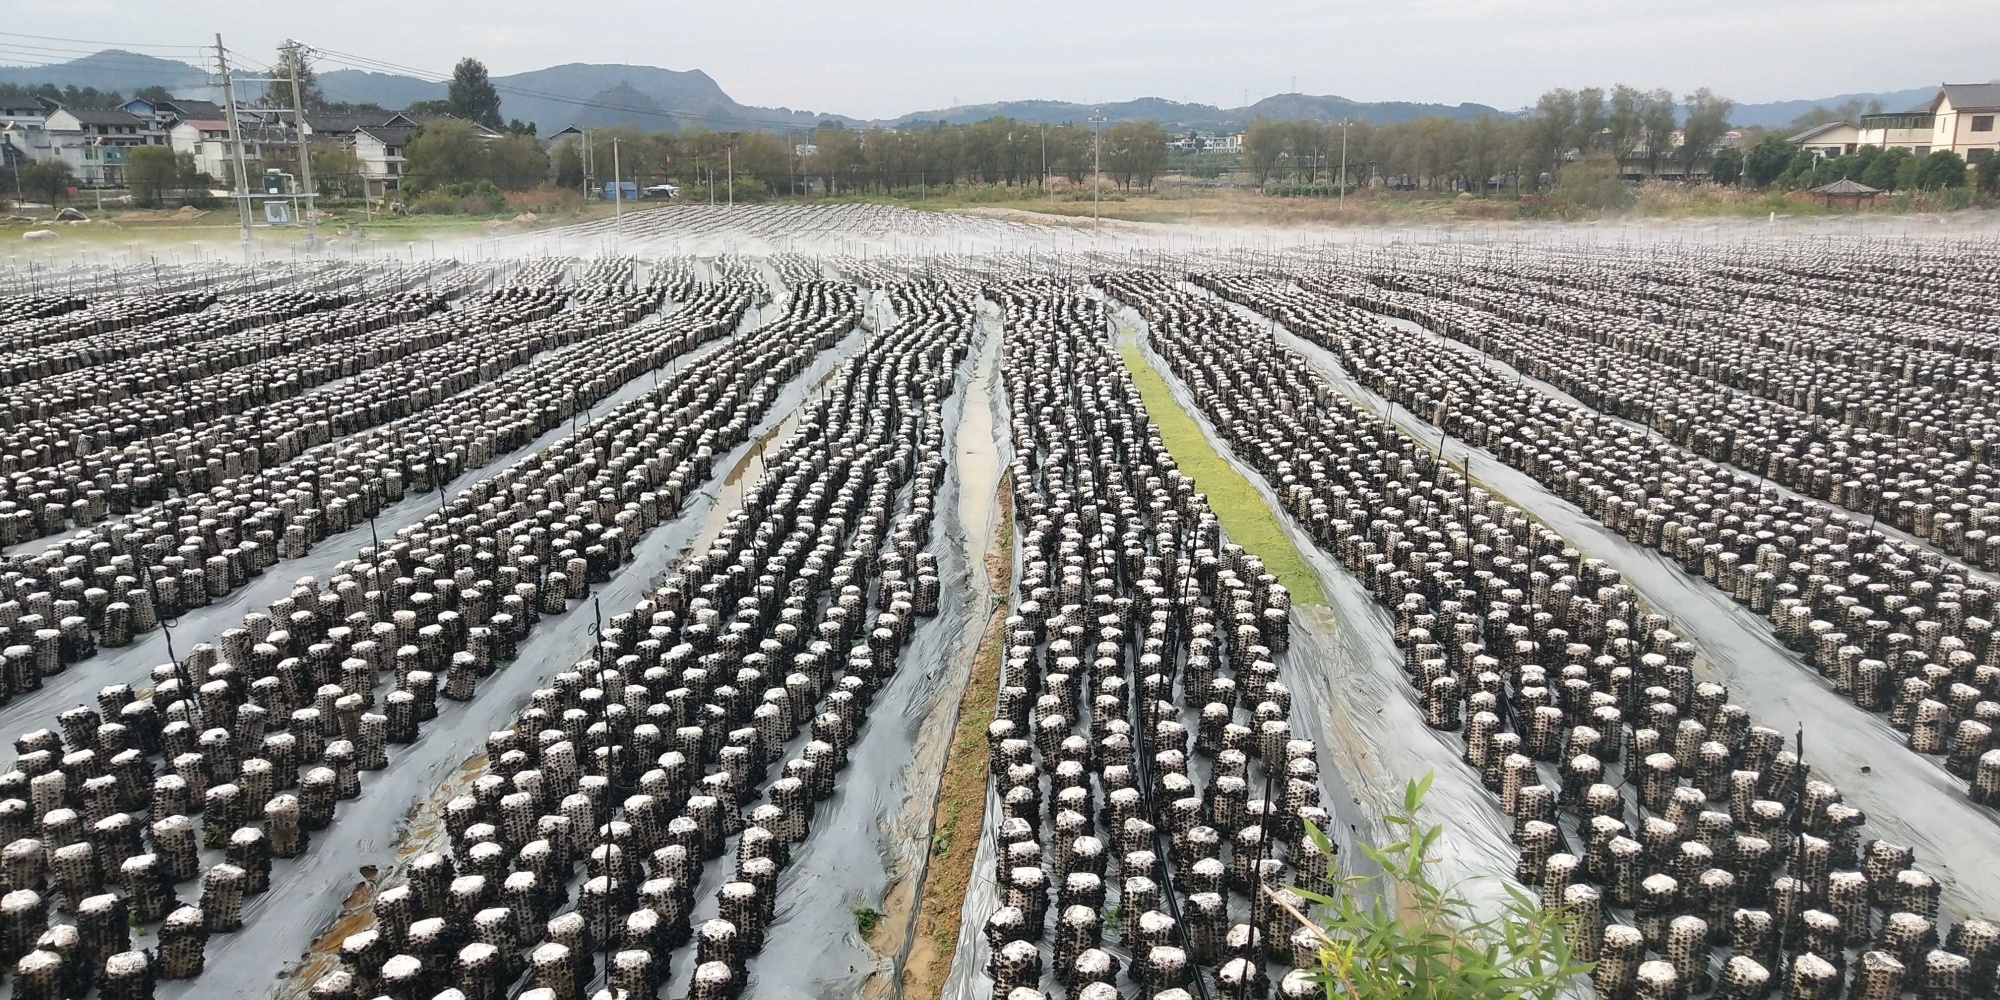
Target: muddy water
{"x":1909,"y":799}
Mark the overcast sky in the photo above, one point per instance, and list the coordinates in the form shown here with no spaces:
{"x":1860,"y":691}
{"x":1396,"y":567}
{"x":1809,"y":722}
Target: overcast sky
{"x":886,"y":58}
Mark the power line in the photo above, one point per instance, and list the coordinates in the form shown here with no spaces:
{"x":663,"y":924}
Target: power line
{"x":103,"y":55}
{"x":143,"y":75}
{"x":43,"y":57}
{"x":115,"y":45}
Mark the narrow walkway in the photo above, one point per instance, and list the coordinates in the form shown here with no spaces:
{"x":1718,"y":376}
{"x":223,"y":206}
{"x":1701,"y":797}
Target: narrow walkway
{"x":1246,"y":519}
{"x":1909,"y":798}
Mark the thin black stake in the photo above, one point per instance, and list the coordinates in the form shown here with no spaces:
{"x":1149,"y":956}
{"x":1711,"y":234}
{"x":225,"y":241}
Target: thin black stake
{"x":167,"y":623}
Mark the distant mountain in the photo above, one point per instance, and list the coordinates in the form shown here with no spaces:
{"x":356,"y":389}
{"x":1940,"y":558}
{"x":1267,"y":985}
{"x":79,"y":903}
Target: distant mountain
{"x":388,"y":90}
{"x":1777,"y":113}
{"x":646,"y":96}
{"x":1207,"y":117}
{"x":111,"y":69}
{"x":1331,"y":109}
{"x":649,"y":97}
{"x":1061,"y":112}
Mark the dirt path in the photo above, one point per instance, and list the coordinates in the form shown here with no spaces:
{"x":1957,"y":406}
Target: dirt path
{"x":961,"y":804}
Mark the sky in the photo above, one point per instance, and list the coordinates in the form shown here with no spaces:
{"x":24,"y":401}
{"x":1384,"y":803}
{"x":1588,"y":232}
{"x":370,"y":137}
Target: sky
{"x":884,"y":59}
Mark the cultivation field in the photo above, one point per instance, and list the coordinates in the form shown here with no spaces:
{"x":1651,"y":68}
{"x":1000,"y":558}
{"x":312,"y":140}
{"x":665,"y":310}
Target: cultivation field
{"x":650,"y":619}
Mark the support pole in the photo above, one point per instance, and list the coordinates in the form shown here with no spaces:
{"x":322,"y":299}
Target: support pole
{"x":296,"y":54}
{"x":1097,"y":175}
{"x":235,"y":145}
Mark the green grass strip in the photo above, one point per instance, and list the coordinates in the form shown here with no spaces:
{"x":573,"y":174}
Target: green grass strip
{"x":1247,"y":519}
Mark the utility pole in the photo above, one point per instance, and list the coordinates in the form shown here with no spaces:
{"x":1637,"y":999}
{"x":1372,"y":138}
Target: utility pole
{"x":1343,"y":162}
{"x":617,"y":192}
{"x":295,"y":54}
{"x":1097,"y":174}
{"x":1043,"y":129}
{"x":236,"y":145}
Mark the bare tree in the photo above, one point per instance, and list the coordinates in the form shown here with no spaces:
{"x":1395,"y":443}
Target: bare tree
{"x":1707,"y":120}
{"x":1656,"y":125}
{"x":1623,"y":121}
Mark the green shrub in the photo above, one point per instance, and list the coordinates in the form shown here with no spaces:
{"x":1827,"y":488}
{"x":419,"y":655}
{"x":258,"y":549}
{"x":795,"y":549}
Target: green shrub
{"x":1593,"y":185}
{"x":750,"y":190}
{"x":1409,"y":938}
{"x":1940,"y":171}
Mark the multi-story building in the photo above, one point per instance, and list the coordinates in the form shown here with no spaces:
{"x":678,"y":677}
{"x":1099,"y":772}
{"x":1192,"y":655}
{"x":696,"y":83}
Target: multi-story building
{"x":1959,"y":118}
{"x":95,"y":142}
{"x":380,"y":150}
{"x":207,"y":140}
{"x":21,"y":122}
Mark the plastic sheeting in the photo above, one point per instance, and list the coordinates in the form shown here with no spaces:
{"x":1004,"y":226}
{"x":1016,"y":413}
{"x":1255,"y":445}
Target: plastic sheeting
{"x":1909,"y":799}
{"x":133,"y":664}
{"x":875,"y":829}
{"x":282,"y":923}
{"x":1345,"y":671}
{"x":1349,"y":696}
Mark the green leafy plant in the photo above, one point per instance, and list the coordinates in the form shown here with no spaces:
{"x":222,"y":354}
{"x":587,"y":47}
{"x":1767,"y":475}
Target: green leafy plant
{"x":1405,"y":936}
{"x":865,"y":919}
{"x":940,"y":844}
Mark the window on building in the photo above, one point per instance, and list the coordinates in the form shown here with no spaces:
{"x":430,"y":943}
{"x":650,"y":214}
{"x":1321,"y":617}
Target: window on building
{"x":1922,"y":151}
{"x":1978,"y":155}
{"x":1982,"y":123}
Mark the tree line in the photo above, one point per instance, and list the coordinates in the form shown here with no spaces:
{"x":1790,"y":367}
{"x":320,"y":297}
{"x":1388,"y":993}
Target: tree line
{"x":1526,"y":151}
{"x":1774,"y":162}
{"x":73,"y":96}
{"x":834,"y":160}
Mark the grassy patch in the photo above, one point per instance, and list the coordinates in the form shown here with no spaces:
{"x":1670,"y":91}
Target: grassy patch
{"x":1249,"y":521}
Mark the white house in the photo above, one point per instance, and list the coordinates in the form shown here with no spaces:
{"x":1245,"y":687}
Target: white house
{"x":380,"y":150}
{"x":95,"y":142}
{"x":207,"y":140}
{"x":380,"y":147}
{"x":1962,"y":117}
{"x":164,"y":114}
{"x":1959,"y":118}
{"x":1830,"y":139}
{"x":21,"y":122}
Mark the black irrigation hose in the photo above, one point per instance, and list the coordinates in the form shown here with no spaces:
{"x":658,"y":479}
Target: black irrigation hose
{"x":1143,"y":759}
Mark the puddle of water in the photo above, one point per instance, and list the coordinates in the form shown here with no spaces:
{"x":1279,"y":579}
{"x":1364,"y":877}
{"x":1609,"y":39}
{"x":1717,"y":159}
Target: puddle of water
{"x":737,"y":481}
